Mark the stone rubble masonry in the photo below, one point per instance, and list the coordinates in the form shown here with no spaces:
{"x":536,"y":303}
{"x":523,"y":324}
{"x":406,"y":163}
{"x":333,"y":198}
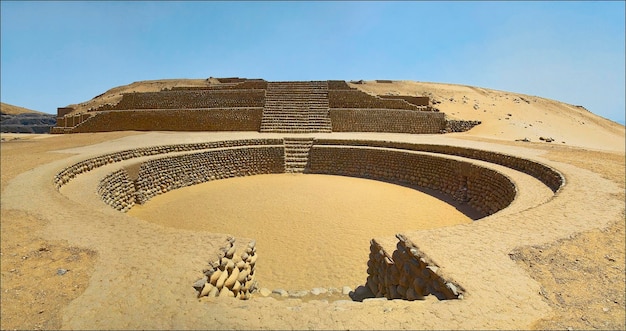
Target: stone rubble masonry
{"x":459,"y":126}
{"x":386,"y":120}
{"x":406,"y":274}
{"x":217,"y":119}
{"x":69,"y":173}
{"x":231,"y":275}
{"x":547,"y":175}
{"x":485,"y":190}
{"x":165,"y":174}
{"x":117,"y":190}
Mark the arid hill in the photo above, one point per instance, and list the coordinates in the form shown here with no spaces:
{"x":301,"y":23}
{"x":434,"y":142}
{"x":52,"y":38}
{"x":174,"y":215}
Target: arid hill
{"x":16,"y":119}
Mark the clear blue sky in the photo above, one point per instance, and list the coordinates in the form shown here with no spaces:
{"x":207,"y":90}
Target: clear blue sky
{"x":58,"y":53}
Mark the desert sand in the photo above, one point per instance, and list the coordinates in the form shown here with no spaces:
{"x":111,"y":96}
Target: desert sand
{"x":69,"y":261}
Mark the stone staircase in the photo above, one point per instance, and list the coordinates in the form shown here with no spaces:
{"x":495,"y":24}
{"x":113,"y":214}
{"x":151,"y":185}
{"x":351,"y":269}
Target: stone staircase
{"x":296,"y":107}
{"x":297,"y":154}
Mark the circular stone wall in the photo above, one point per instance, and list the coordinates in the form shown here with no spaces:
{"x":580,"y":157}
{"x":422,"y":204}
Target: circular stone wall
{"x":310,"y":230}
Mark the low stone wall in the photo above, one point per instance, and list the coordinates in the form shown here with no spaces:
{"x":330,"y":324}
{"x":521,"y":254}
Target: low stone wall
{"x":485,"y":190}
{"x":117,"y":190}
{"x":162,"y":175}
{"x":547,"y":175}
{"x":69,"y":173}
{"x":386,"y":120}
{"x":406,"y":274}
{"x":233,"y":119}
{"x":232,"y":275}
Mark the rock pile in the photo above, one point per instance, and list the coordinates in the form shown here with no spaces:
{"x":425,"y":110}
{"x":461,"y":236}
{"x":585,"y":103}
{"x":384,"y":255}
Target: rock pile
{"x":232,"y":275}
{"x":459,"y":126}
{"x":406,"y":274}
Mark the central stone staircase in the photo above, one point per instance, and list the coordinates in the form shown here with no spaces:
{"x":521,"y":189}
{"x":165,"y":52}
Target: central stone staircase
{"x":296,"y":107}
{"x":297,"y":154}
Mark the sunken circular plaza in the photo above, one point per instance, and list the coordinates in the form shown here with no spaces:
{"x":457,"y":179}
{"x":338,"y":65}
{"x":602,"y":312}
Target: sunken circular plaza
{"x":393,"y":272}
{"x":296,"y":122}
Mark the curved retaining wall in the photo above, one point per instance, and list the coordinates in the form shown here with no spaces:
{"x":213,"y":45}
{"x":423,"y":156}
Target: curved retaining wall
{"x":117,"y":190}
{"x":386,"y":120}
{"x":547,"y":175}
{"x":166,"y":174}
{"x":485,"y":190}
{"x":69,"y":173}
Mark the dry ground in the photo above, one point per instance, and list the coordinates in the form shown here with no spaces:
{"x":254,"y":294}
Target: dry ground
{"x":581,"y":277}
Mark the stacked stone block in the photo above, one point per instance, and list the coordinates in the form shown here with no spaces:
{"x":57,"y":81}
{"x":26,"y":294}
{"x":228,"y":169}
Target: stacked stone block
{"x":354,"y":98}
{"x":216,"y":119}
{"x":232,"y":275}
{"x":191,"y":99}
{"x":547,"y":175}
{"x":69,"y":173}
{"x":387,"y":120}
{"x":406,"y":274}
{"x":117,"y":190}
{"x":162,"y":175}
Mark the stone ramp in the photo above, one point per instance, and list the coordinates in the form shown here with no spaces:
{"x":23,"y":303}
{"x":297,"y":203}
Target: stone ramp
{"x":296,"y":107}
{"x":297,"y":154}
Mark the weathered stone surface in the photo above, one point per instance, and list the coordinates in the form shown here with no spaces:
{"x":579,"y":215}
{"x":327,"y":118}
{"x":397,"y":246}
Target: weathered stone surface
{"x":265,"y":292}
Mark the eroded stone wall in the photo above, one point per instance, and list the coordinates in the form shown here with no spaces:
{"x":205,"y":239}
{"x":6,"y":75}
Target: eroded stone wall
{"x":387,"y":120}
